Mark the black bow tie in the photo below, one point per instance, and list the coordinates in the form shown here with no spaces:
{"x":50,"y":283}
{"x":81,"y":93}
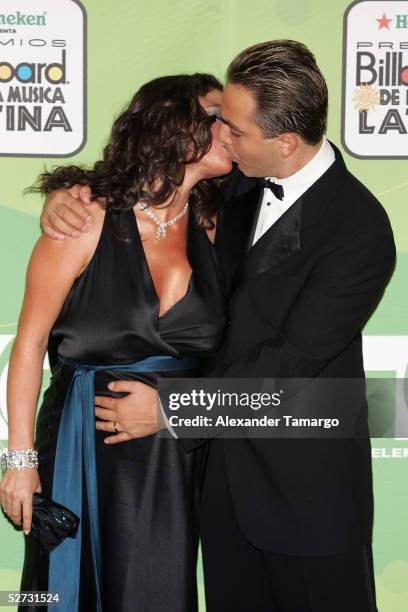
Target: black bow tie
{"x":276,"y":189}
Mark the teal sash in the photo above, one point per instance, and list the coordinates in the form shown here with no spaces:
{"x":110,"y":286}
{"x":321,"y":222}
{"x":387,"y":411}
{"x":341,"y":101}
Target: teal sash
{"x":76,"y":448}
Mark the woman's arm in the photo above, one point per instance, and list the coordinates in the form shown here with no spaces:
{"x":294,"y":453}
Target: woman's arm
{"x":52,"y":269}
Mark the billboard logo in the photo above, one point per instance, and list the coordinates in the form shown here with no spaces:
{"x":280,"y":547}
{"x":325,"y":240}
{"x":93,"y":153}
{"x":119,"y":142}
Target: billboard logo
{"x":42,"y":79}
{"x":27,"y":72}
{"x":375,"y":79}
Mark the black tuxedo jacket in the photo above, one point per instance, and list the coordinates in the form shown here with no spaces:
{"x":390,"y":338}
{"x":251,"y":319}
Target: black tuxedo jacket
{"x":298,"y":301}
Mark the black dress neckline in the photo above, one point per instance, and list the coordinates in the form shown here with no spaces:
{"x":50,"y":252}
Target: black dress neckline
{"x":146,"y":266}
{"x":112,"y":310}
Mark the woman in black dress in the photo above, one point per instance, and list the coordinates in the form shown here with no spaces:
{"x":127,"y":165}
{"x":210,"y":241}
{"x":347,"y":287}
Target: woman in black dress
{"x":139,"y":296}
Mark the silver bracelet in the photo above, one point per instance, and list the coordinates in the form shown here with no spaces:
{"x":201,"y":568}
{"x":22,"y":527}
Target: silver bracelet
{"x":19,"y":459}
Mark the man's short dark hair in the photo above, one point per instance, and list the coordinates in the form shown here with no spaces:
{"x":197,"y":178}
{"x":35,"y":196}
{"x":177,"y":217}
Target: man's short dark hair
{"x":288,"y":86}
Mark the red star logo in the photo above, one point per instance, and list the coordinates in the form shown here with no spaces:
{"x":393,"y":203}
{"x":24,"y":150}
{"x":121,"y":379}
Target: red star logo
{"x":383,"y":22}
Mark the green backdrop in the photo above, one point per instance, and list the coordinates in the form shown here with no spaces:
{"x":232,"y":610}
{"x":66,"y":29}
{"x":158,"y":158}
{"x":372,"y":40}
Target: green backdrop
{"x":132,"y":41}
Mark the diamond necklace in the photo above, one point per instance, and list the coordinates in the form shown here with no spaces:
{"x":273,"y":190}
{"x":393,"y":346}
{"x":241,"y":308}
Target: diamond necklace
{"x":162,"y":225}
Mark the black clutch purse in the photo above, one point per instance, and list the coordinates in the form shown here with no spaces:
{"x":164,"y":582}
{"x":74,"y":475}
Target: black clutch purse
{"x":51,"y":523}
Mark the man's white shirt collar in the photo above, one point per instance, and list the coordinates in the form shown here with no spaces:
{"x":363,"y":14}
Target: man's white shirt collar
{"x":293,"y":186}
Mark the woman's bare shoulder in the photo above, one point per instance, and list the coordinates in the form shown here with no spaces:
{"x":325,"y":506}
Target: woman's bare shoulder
{"x":71,"y":251}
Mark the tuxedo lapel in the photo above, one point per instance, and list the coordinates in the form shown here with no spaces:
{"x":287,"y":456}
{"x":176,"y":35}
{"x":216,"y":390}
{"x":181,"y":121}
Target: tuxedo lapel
{"x":283,"y":238}
{"x":274,"y":246}
{"x":234,"y":228}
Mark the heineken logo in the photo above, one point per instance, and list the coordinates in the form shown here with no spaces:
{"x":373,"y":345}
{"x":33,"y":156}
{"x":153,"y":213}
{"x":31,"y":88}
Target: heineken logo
{"x":375,"y":79}
{"x":21,"y":19}
{"x":399,"y":22}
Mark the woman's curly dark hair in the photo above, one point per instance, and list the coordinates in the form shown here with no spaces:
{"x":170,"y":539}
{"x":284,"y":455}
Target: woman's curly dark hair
{"x":163,"y":129}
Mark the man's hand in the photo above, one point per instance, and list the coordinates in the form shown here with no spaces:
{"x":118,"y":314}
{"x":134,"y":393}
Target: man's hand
{"x":136,"y":415}
{"x":65,"y":212}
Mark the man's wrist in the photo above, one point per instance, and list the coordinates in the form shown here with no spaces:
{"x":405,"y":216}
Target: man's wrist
{"x":162,"y":420}
{"x":161,"y":423}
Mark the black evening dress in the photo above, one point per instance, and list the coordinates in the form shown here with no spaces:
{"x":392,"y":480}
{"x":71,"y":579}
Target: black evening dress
{"x":148,"y":488}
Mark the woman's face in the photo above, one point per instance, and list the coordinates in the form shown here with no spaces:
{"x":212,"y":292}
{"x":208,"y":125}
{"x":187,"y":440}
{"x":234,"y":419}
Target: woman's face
{"x":217,"y":161}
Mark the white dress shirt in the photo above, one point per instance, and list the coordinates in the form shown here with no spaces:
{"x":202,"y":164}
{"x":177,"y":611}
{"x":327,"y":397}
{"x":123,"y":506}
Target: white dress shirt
{"x":293,"y":186}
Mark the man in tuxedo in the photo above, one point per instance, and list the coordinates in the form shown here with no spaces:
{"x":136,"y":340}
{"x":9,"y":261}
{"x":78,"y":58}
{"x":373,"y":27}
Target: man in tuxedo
{"x":306,"y":251}
{"x":287,"y":524}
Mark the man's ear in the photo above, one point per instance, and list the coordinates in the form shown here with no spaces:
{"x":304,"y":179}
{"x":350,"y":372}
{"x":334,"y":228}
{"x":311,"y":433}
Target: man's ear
{"x":288,"y":142}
